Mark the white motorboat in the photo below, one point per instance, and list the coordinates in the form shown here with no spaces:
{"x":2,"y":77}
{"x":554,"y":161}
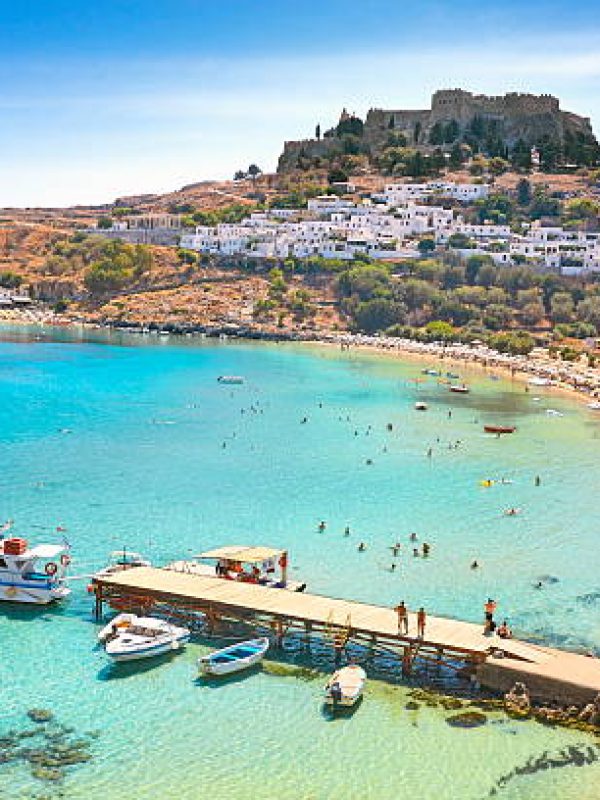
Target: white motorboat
{"x":420,"y":406}
{"x":594,"y":405}
{"x":22,"y":582}
{"x":129,"y":637}
{"x":120,"y":560}
{"x":234,"y":658}
{"x":345,"y":687}
{"x":538,"y":381}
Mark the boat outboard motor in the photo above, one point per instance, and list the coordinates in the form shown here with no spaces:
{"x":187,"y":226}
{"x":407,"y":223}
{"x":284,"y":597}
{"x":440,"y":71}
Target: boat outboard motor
{"x":335,"y":691}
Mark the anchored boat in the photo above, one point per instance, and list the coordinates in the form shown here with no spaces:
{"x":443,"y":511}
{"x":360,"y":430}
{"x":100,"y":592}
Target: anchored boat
{"x":230,"y":379}
{"x":129,"y":637}
{"x":234,"y":658}
{"x":459,"y":388}
{"x":22,"y":582}
{"x":345,"y":687}
{"x":499,"y":428}
{"x":120,"y":560}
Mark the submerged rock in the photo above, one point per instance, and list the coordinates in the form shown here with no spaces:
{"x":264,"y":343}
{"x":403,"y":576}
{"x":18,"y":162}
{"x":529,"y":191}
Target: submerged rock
{"x":467,"y":719}
{"x":40,"y":715}
{"x":290,"y":671}
{"x":517,"y":702}
{"x":412,"y":706}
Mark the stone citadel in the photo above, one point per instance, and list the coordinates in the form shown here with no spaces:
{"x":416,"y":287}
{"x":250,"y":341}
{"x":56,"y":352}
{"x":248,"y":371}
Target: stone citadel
{"x":512,"y":117}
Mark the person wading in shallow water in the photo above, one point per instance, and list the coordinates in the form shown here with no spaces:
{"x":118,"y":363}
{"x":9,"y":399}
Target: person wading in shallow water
{"x":421,"y":619}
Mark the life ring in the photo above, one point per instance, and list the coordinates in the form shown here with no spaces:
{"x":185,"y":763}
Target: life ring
{"x":65,"y":560}
{"x":51,"y":568}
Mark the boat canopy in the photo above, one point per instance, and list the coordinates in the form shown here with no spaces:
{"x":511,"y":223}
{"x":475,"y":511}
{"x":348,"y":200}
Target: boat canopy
{"x":244,"y":554}
{"x":46,"y":551}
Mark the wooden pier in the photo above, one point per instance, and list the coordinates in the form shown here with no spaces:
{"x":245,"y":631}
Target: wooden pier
{"x":550,"y":674}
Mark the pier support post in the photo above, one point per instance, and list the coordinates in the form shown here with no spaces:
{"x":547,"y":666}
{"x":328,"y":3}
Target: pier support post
{"x":307,"y":633}
{"x":406,"y":662}
{"x":279,"y":632}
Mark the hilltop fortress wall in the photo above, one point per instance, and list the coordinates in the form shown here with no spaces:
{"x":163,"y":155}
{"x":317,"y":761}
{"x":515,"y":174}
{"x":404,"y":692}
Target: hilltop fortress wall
{"x":519,"y":116}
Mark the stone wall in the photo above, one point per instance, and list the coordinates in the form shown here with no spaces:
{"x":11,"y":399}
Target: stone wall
{"x":518,"y":116}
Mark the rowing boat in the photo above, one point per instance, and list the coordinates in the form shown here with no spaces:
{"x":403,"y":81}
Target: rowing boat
{"x":234,"y":658}
{"x":345,"y":687}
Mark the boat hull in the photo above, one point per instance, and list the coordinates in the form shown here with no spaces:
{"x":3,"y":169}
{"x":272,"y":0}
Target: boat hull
{"x":150,"y":651}
{"x":33,"y":595}
{"x":224,"y":662}
{"x":345,"y":687}
{"x":499,"y":428}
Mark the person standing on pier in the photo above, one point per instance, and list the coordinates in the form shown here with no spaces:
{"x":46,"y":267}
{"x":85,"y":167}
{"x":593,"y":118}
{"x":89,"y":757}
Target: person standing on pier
{"x":421,"y":619}
{"x":402,"y":619}
{"x":489,"y":609}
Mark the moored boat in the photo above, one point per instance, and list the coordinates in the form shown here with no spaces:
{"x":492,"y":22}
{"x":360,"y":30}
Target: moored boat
{"x":234,"y":658}
{"x":345,"y":687}
{"x":230,"y":379}
{"x":499,"y":428}
{"x":130,"y":637}
{"x":420,"y":406}
{"x":459,"y":388}
{"x":21,"y":582}
{"x":120,"y":560}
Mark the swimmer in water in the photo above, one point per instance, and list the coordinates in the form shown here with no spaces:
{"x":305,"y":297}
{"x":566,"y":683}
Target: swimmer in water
{"x":362,"y":547}
{"x":322,"y":525}
{"x":475,"y":564}
{"x":347,"y":530}
{"x":413,"y":537}
{"x":415,"y":552}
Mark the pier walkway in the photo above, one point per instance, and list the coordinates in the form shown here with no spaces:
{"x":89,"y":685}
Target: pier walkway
{"x":549,"y":673}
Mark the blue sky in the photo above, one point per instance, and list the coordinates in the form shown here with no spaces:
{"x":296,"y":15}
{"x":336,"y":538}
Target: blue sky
{"x":101,"y":99}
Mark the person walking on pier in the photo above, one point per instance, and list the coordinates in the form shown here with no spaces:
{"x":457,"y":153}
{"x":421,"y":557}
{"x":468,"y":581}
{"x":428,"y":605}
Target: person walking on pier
{"x":402,"y":619}
{"x":421,"y":619}
{"x":489,"y":609}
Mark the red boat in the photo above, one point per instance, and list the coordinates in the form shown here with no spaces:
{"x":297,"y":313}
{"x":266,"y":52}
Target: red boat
{"x":499,"y":428}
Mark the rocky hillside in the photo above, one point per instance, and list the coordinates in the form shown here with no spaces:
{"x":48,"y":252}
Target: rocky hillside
{"x":522,"y":128}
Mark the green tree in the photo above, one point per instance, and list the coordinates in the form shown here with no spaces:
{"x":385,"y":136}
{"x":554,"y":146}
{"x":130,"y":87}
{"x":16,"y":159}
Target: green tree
{"x":562,"y":307}
{"x":426,"y":246}
{"x":589,"y":310}
{"x":105,"y":223}
{"x":10,"y":280}
{"x":524,"y":195}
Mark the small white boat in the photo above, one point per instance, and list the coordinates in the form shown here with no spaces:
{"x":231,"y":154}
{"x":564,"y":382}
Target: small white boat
{"x":345,"y":687}
{"x":459,"y":388}
{"x":537,"y":381}
{"x":594,"y":405}
{"x":21,"y":582}
{"x":234,"y":658}
{"x":230,"y":379}
{"x":120,"y":621}
{"x":420,"y":406}
{"x":130,"y":637}
{"x":120,"y":560}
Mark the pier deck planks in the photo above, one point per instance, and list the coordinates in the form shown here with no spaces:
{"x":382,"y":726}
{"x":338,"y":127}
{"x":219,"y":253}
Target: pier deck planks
{"x":545,"y":664}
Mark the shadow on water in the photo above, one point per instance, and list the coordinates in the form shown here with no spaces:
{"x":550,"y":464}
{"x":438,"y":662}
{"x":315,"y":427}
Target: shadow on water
{"x":118,"y":671}
{"x":335,"y":713}
{"x":25,"y":612}
{"x":220,"y":681}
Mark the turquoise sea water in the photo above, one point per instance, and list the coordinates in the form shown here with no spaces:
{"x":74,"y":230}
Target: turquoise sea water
{"x":120,"y":440}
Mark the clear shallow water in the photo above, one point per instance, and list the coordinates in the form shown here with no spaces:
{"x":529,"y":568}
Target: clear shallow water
{"x":121,"y":441}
